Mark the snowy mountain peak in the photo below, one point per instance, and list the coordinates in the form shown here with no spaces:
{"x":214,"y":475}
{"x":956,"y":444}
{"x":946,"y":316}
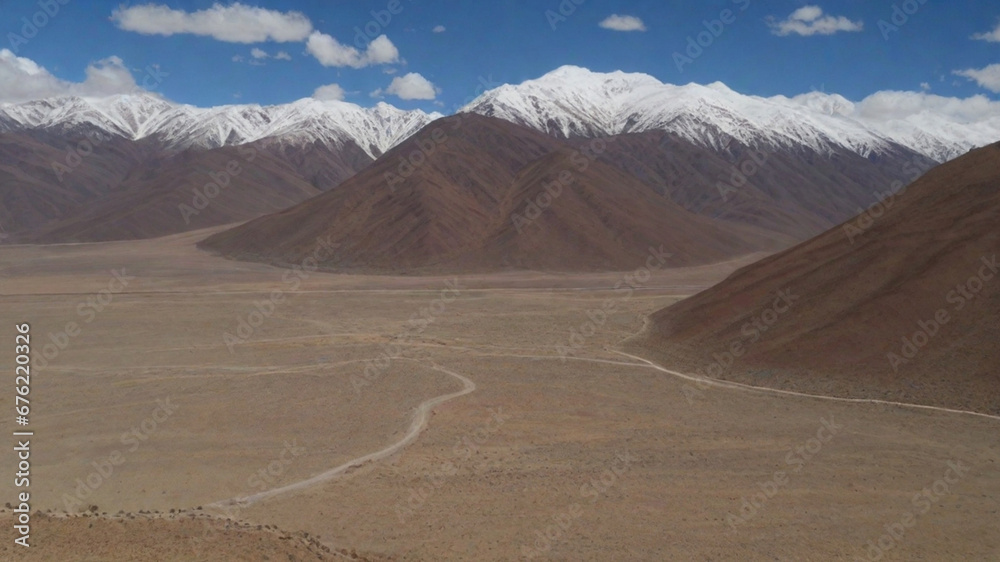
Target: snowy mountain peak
{"x":572,"y":102}
{"x":828,"y":104}
{"x":577,"y":75}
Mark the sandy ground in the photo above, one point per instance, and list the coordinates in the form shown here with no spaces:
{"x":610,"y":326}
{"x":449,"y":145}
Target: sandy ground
{"x":564,"y":450}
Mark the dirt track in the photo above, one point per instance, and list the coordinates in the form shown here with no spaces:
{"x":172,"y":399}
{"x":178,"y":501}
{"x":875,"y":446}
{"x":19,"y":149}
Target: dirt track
{"x":281,"y":409}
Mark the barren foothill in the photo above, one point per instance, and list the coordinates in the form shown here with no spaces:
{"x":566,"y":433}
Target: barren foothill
{"x":901,"y":306}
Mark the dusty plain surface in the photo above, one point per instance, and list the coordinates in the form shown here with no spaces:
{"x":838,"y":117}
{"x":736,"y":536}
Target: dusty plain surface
{"x":607,"y":456}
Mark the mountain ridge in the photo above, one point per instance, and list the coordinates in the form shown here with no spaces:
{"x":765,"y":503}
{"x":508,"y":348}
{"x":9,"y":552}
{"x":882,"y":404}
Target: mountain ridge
{"x":567,"y":102}
{"x":573,"y":101}
{"x":179,"y":126}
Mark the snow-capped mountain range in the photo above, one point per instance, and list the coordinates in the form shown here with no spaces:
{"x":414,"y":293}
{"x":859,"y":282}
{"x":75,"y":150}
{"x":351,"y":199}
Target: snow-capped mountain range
{"x":138,"y":116}
{"x":567,"y":102}
{"x":572,"y":101}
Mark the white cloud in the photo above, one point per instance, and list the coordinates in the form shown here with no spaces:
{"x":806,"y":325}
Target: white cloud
{"x":411,"y":86}
{"x":892,"y":105}
{"x":988,"y":77}
{"x":23,"y":80}
{"x":330,"y":52}
{"x":991,"y":36}
{"x":239,"y":23}
{"x":616,"y":22}
{"x":258,"y":56}
{"x":381,"y":51}
{"x":807,"y":13}
{"x":329,"y":92}
{"x":235,"y":23}
{"x":809,"y":20}
{"x":925,"y":86}
{"x":439,"y":29}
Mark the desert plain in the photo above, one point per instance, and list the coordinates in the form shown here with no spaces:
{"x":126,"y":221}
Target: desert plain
{"x":551,"y":437}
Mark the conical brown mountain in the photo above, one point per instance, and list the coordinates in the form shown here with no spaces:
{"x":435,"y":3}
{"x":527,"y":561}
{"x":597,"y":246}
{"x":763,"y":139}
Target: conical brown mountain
{"x":474,"y":193}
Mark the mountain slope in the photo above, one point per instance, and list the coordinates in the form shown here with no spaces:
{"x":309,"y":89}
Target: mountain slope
{"x":55,"y":190}
{"x":901,"y":305}
{"x":43,"y":177}
{"x":190,"y":190}
{"x":456,"y":211}
{"x":797,"y":193}
{"x":601,"y":219}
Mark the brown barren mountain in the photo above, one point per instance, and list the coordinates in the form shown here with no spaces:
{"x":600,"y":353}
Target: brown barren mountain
{"x":475,"y":193}
{"x":54,"y":189}
{"x":900,"y":303}
{"x":191,"y":190}
{"x":797,"y":193}
{"x":44,"y":177}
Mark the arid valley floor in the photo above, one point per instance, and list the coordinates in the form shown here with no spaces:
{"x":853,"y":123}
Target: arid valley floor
{"x":609,"y":457}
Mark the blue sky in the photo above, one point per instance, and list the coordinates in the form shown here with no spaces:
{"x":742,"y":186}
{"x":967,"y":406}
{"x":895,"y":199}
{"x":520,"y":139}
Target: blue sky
{"x":763,"y":47}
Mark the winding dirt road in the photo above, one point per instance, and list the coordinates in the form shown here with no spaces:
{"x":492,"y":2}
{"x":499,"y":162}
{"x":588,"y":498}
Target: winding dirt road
{"x":423,"y":411}
{"x":417,"y":425}
{"x":763,"y":389}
